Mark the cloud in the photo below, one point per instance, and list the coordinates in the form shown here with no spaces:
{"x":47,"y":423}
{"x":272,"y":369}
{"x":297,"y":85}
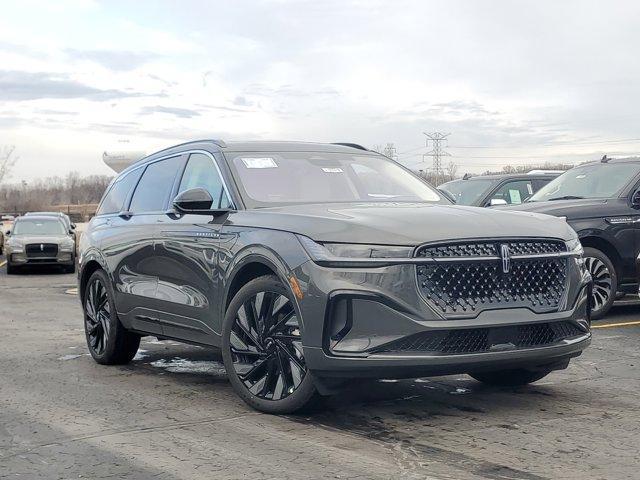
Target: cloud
{"x":178,"y":112}
{"x":17,"y":86}
{"x":114,"y":59}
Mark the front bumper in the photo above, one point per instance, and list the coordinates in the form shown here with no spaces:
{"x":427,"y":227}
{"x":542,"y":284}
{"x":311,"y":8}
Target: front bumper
{"x":62,"y":258}
{"x":385,"y":307}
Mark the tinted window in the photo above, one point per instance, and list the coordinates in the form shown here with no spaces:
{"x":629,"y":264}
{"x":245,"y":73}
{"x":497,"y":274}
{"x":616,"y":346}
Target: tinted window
{"x":514,"y":192}
{"x":202,"y":172}
{"x":117,"y":194}
{"x":468,"y":192}
{"x":600,"y":180}
{"x":155,"y":186}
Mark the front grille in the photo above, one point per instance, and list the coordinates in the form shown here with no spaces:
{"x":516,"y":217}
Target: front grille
{"x":41,"y":250}
{"x":471,"y":276}
{"x":478,"y":340}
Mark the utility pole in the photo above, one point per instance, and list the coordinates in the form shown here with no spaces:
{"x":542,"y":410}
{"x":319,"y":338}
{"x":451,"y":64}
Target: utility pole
{"x":437,"y":152}
{"x":390,"y":151}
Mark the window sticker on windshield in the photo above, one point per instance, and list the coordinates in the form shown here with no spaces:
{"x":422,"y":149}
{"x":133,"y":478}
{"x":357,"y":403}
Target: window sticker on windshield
{"x":331,"y":170}
{"x":529,"y":189}
{"x":262,"y":162}
{"x":514,"y":195}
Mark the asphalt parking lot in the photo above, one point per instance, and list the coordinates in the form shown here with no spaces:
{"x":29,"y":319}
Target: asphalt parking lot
{"x":171,"y":414}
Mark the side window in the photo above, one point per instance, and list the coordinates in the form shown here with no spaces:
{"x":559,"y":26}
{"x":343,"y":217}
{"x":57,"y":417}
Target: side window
{"x":155,"y":186}
{"x":115,"y":197}
{"x":202,"y":172}
{"x":514,"y":192}
{"x":538,"y":183}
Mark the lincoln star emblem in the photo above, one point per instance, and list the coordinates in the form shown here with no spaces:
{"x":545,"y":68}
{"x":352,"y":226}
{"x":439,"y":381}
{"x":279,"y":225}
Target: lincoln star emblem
{"x":505,"y":255}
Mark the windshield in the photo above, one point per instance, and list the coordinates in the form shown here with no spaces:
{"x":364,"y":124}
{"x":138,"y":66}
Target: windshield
{"x":38,"y":227}
{"x":468,"y":192}
{"x":270,"y":179}
{"x":600,"y":180}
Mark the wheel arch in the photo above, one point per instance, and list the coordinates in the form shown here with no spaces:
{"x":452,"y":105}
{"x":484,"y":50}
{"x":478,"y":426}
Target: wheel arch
{"x":605,"y":247}
{"x":89,"y":266}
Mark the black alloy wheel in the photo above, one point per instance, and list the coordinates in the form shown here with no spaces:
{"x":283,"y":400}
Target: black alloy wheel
{"x":605,"y":282}
{"x":108,"y":341}
{"x":97,"y":316}
{"x":262,"y":348}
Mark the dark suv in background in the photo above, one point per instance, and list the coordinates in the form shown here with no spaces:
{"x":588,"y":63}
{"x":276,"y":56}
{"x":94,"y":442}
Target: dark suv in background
{"x":601,"y":201}
{"x":310,"y":264}
{"x":499,"y":189}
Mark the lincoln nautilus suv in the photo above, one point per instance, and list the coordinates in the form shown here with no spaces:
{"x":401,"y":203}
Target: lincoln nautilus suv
{"x":310,"y":264}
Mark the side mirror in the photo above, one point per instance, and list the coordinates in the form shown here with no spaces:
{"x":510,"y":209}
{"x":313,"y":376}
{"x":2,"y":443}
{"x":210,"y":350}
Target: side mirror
{"x":497,"y":201}
{"x":196,"y":201}
{"x":635,"y":199}
{"x":71,"y":232}
{"x":73,"y":226}
{"x":8,"y":232}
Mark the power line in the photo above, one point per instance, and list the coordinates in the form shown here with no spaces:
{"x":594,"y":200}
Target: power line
{"x":541,"y":145}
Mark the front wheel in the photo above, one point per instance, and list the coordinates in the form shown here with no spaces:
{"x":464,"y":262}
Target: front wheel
{"x":510,"y":378}
{"x":262,"y":348}
{"x":11,"y":269}
{"x":605,"y":281}
{"x":108,"y":341}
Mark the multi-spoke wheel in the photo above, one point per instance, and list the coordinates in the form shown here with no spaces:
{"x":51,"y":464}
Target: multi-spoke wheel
{"x":262,"y":348}
{"x":605,"y":281}
{"x":108,"y":341}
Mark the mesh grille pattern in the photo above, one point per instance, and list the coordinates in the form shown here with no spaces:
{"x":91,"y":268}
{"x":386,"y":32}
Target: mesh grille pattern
{"x":478,"y":340}
{"x":488,"y":249}
{"x":468,"y":287}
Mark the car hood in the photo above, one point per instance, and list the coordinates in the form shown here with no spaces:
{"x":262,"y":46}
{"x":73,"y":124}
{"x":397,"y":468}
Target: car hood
{"x":40,"y":238}
{"x":400,"y":223}
{"x":572,"y":209}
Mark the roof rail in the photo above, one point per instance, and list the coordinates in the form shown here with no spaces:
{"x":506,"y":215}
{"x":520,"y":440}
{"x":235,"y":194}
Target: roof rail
{"x":544,"y":172}
{"x":352,"y":145}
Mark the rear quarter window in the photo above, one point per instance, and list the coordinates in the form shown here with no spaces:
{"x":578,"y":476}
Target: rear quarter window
{"x":113,"y":200}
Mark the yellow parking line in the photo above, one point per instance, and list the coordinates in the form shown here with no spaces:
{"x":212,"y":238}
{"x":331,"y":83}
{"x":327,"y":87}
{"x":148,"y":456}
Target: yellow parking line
{"x":3,"y":263}
{"x":612,"y":325}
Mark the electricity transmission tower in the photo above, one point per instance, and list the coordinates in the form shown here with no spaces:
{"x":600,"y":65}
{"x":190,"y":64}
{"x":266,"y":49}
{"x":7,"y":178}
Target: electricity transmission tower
{"x":390,"y":151}
{"x":437,"y":152}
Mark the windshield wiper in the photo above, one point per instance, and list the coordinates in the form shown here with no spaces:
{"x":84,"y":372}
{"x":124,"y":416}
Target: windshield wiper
{"x":566,"y":197}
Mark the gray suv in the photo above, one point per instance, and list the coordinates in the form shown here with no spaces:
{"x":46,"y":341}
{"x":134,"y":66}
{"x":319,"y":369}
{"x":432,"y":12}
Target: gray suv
{"x":311,"y":264}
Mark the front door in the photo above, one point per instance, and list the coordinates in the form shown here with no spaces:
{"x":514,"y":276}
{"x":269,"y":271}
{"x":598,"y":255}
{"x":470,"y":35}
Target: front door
{"x":189,"y":292}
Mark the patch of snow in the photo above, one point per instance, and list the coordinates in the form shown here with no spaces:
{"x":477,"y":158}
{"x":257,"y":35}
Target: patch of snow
{"x":140,"y":354}
{"x":182,"y":365}
{"x":69,"y":357}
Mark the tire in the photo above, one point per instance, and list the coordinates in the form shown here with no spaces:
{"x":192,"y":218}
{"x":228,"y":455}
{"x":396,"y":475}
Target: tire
{"x":119,"y":345}
{"x":70,"y":268}
{"x":11,"y":269}
{"x":510,"y":378}
{"x":605,"y":282}
{"x":266,"y":369}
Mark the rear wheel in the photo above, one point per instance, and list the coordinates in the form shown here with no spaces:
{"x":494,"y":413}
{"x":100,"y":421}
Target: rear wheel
{"x":510,"y":378}
{"x":605,"y":281}
{"x":108,"y":341}
{"x":262,"y":348}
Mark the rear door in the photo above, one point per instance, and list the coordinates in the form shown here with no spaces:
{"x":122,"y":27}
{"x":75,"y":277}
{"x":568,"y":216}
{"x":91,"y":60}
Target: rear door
{"x":189,"y":290}
{"x":137,"y":271}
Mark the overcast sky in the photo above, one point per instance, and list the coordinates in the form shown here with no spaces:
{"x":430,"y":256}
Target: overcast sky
{"x":517,"y":81}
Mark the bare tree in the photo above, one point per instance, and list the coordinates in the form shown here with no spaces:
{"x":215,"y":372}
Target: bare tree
{"x":7,"y":160}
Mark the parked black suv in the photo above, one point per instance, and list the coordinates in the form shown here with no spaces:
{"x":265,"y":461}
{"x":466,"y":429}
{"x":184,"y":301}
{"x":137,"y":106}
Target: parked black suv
{"x":309,"y":264}
{"x":499,"y":189}
{"x":601,"y":201}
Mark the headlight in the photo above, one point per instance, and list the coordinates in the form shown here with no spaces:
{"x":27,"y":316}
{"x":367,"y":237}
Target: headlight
{"x":574,"y":246}
{"x":67,"y":245}
{"x":15,"y":245}
{"x":328,"y":252}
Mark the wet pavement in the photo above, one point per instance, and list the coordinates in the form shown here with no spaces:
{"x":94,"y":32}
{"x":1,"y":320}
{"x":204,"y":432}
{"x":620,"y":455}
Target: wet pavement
{"x":171,"y":413}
